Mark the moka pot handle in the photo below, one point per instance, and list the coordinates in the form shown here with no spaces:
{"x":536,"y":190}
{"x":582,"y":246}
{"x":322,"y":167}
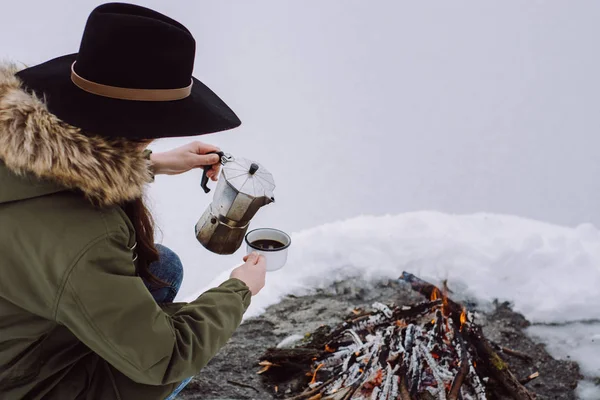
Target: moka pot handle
{"x":204,"y":182}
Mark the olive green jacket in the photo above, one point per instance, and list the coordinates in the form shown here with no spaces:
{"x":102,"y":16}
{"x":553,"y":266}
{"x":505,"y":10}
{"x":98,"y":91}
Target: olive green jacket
{"x":76,"y":322}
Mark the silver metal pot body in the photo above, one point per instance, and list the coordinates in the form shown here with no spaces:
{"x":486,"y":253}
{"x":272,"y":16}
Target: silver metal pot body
{"x":244,"y":187}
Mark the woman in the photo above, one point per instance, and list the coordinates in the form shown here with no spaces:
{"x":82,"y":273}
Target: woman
{"x":86,"y":306}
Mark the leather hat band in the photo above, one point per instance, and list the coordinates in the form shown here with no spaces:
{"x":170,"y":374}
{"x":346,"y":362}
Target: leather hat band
{"x":130,"y":94}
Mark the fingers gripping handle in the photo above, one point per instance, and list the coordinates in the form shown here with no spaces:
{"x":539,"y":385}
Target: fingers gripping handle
{"x":204,"y":182}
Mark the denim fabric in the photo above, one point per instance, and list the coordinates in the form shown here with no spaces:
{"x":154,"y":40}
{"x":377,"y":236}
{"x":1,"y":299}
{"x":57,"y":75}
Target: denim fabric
{"x":169,"y":269}
{"x":179,"y":389}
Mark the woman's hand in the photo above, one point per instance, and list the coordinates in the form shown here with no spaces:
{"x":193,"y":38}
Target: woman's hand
{"x":185,"y":158}
{"x":252,"y":273}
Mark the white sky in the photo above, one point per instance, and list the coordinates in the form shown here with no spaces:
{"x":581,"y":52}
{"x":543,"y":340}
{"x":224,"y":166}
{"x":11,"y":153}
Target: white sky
{"x":380,"y":107}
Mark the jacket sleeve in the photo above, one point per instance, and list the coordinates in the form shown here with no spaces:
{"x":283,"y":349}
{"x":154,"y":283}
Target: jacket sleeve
{"x":110,"y":310}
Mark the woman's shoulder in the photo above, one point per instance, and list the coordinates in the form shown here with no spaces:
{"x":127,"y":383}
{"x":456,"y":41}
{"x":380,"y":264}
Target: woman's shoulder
{"x":76,"y":221}
{"x":58,"y":229}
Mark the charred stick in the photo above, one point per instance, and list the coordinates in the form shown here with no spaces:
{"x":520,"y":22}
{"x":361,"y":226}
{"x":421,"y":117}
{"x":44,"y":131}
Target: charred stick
{"x":359,"y":382}
{"x":516,"y":353}
{"x":351,"y":392}
{"x":427,"y":289}
{"x":387,"y":384}
{"x":361,"y":318}
{"x":395,"y":392}
{"x":416,"y":366}
{"x":439,"y":325}
{"x":511,"y":352}
{"x":347,"y":324}
{"x":531,"y":377}
{"x":308,"y":393}
{"x":245,"y":385}
{"x":497,"y":367}
{"x":298,"y":355}
{"x":415,"y":311}
{"x":419,"y":285}
{"x":404,"y":394}
{"x":476,"y":384}
{"x":333,"y":396}
{"x":464,"y":367}
{"x":338,"y":331}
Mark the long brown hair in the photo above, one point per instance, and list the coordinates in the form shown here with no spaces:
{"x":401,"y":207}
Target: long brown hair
{"x":147,"y":253}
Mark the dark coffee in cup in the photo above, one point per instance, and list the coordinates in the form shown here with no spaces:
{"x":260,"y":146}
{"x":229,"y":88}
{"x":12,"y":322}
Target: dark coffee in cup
{"x":267,"y":244}
{"x":270,"y":243}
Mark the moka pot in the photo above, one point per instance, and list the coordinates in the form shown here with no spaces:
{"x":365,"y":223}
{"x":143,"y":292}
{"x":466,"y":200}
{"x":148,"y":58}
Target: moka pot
{"x":243,"y":188}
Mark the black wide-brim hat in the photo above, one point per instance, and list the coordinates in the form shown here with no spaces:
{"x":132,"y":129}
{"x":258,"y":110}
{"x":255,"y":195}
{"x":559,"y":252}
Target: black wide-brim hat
{"x":131,"y":78}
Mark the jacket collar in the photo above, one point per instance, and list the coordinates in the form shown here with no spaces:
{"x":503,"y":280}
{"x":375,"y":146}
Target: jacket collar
{"x":36,"y":144}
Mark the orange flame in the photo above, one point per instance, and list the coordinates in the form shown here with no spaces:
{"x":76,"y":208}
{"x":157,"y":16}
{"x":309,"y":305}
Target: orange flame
{"x":314,"y":378}
{"x":463,"y":318}
{"x":445,"y":306}
{"x":329,"y":349}
{"x":435,"y":294}
{"x":378,"y":380}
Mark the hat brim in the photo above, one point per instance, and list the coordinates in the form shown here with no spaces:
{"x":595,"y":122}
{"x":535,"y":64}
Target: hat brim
{"x":200,"y":113}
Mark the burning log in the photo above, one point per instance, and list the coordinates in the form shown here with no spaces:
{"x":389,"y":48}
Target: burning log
{"x":464,"y":368}
{"x":497,"y":367}
{"x":430,"y":350}
{"x":432,"y":292}
{"x":404,"y":395}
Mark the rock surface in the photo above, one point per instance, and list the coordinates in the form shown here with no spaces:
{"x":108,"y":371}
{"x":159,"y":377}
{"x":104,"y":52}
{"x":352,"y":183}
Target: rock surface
{"x":232,"y":373}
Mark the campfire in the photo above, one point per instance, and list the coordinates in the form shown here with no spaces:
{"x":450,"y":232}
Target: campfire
{"x":431,"y":350}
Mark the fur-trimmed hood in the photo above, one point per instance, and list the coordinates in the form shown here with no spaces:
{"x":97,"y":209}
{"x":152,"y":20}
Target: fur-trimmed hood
{"x":34,"y":142}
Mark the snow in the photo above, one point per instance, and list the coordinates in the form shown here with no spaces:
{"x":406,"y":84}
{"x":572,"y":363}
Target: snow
{"x":550,"y":273}
{"x":579,"y":341}
{"x":289,"y":341}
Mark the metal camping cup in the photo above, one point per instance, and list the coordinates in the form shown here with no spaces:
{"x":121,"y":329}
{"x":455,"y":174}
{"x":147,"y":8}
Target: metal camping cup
{"x":276,"y":256}
{"x":243,"y":188}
